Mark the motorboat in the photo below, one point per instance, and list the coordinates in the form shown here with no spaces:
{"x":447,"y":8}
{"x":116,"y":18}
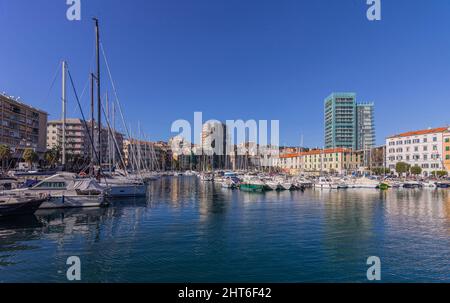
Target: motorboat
{"x":412,"y":184}
{"x":286,"y":185}
{"x":121,"y":187}
{"x":207,"y":177}
{"x":253,"y":185}
{"x":272,"y":185}
{"x":326,"y":183}
{"x":429,"y":184}
{"x":64,"y":190}
{"x":364,"y":182}
{"x":230,"y":182}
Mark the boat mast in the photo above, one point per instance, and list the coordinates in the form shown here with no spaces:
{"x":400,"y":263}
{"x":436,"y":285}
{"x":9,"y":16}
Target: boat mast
{"x":114,"y":131}
{"x":109,"y":137}
{"x":92,"y":126}
{"x":64,"y":69}
{"x":99,"y":104}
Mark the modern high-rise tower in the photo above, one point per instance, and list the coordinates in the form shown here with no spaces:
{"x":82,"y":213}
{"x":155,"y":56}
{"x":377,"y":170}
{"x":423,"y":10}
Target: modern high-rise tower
{"x":347,"y":123}
{"x":365,"y":126}
{"x":340,"y":120}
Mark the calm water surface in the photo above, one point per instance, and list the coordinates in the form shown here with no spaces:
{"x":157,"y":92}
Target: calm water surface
{"x":189,"y":231}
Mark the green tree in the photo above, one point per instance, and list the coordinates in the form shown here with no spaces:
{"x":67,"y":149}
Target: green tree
{"x":402,"y":168}
{"x":416,"y":170}
{"x":30,"y":156}
{"x":440,"y":173}
{"x":5,"y":154}
{"x":381,"y":171}
{"x":53,"y":155}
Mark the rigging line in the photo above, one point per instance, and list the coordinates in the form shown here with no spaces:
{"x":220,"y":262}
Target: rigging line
{"x":116,"y":145}
{"x":53,"y":81}
{"x":116,"y":96}
{"x":115,"y":92}
{"x":75,"y":109}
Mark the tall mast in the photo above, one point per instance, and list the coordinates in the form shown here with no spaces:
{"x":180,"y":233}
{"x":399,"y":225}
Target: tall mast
{"x":114,"y":130}
{"x":92,"y":124}
{"x":99,"y":104}
{"x":64,"y":68}
{"x":109,"y":137}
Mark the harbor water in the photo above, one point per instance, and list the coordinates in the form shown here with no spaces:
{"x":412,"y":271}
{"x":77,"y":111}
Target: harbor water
{"x":192,"y":231}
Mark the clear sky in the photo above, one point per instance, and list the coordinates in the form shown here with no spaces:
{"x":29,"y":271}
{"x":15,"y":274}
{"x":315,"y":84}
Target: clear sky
{"x":238,"y":59}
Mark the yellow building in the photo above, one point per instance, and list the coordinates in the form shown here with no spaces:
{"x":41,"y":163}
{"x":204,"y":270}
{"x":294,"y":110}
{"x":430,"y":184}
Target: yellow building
{"x":446,"y":152}
{"x":337,"y":160}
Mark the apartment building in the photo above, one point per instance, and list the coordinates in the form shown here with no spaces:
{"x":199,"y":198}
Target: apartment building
{"x":446,"y":150}
{"x":144,"y":154}
{"x":22,"y":126}
{"x":424,"y":148}
{"x":78,"y":142}
{"x":335,"y":160}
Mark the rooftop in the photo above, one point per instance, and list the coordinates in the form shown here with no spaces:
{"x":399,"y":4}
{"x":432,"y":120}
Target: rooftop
{"x":421,"y":132}
{"x":17,"y":100}
{"x":316,"y":152}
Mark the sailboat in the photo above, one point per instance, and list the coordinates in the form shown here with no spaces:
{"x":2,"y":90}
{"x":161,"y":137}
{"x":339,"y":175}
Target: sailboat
{"x":116,"y":186}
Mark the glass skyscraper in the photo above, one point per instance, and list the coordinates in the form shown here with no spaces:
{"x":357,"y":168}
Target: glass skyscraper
{"x":348,"y":124}
{"x":365,"y":126}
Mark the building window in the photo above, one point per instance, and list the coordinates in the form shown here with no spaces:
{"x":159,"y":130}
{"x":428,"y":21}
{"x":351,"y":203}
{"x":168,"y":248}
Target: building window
{"x":434,"y":139}
{"x":447,"y":140}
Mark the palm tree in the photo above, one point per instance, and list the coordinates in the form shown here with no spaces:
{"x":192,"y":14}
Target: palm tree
{"x":5,"y":154}
{"x":53,"y":155}
{"x":30,"y":156}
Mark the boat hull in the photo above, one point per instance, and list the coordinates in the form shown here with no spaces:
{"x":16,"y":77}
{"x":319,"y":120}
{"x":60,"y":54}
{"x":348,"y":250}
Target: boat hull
{"x":20,"y":208}
{"x":126,"y":191}
{"x":252,"y":187}
{"x":73,"y":201}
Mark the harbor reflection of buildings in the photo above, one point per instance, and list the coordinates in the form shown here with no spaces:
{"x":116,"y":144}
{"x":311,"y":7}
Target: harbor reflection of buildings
{"x":427,"y":205}
{"x":213,"y":200}
{"x":348,"y":224}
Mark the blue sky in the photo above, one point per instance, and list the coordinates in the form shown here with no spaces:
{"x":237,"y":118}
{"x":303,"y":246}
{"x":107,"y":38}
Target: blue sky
{"x":238,"y":59}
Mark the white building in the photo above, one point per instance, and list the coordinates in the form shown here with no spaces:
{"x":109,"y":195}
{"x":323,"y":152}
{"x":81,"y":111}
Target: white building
{"x":423,"y":148}
{"x":77,"y":142}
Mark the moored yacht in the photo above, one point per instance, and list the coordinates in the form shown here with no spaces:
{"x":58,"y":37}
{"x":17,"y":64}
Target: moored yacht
{"x":121,"y":187}
{"x":65,"y":190}
{"x":364,"y":182}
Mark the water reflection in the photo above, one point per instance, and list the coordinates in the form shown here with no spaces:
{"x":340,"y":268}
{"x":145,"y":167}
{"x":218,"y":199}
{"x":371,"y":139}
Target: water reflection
{"x":187,"y":230}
